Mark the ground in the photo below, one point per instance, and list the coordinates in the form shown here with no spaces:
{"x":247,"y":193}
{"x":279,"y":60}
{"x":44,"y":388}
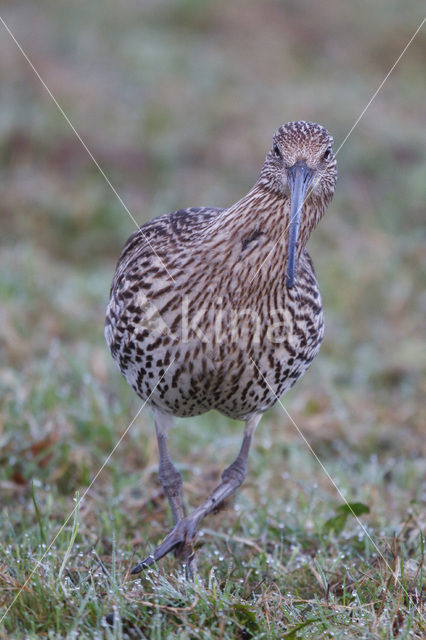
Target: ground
{"x":178,"y":102}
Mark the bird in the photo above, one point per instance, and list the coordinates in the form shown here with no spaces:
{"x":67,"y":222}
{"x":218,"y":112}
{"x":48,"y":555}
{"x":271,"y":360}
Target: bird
{"x":219,"y":309}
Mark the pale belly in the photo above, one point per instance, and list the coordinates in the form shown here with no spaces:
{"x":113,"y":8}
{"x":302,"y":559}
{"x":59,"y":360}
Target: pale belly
{"x":238,"y":368}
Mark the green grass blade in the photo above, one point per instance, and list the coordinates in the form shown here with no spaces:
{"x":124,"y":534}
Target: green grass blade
{"x":72,"y":537}
{"x":38,"y":515}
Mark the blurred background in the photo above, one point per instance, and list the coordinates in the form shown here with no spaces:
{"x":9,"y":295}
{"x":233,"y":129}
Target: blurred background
{"x":178,"y":100}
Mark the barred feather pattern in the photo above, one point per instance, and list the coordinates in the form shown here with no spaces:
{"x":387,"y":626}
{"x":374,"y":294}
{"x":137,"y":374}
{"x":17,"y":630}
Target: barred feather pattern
{"x":200,"y":317}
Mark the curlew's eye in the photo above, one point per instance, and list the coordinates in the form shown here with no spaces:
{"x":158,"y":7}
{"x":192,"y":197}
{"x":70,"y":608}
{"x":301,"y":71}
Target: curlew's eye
{"x":327,"y":153}
{"x":277,"y":152}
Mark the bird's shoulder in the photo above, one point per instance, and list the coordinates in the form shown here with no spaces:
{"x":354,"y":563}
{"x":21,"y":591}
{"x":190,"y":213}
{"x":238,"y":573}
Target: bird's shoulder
{"x":181,"y":225}
{"x":164,"y":235}
{"x":192,"y":220}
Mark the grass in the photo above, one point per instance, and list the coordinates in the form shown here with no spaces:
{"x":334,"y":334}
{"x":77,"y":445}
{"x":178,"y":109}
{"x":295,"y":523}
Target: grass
{"x":165,"y":97}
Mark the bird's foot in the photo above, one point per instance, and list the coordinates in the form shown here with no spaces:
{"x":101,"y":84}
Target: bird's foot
{"x":180,"y":540}
{"x":186,"y":556}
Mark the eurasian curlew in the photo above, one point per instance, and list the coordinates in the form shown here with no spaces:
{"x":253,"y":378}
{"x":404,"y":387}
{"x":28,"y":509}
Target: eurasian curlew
{"x":220,"y":309}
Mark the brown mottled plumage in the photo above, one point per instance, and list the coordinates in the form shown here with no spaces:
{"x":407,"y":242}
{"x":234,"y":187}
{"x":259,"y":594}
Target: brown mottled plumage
{"x":220,"y":308}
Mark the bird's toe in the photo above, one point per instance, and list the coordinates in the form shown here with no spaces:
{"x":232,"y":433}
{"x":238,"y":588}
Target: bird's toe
{"x":179,"y":538}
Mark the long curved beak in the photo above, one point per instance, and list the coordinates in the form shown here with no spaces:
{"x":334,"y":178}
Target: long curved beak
{"x":299,"y":179}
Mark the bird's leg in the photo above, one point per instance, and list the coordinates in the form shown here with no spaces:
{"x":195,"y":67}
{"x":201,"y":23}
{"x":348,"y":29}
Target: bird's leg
{"x":170,"y":477}
{"x":171,"y":481}
{"x":185,"y":530}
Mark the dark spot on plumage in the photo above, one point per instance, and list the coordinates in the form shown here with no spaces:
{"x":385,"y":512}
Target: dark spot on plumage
{"x":250,"y":238}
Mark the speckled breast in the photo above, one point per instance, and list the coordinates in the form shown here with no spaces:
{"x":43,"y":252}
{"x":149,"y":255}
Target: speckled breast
{"x":195,"y":349}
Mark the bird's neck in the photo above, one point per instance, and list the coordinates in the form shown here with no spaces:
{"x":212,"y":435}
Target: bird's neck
{"x":257,"y":211}
{"x":268,"y":213}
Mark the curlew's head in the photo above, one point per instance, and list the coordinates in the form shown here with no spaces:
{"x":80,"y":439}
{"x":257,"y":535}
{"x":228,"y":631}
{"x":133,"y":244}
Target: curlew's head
{"x":300,"y":167}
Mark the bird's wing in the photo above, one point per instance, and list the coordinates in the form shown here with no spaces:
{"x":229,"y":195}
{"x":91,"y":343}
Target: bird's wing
{"x":158,"y":236}
{"x":185,"y":224}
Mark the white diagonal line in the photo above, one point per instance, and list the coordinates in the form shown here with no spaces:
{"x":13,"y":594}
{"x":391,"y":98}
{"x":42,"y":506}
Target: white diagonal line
{"x":381,"y":84}
{"x":107,"y":459}
{"x":83,"y":143}
{"x":345,"y":138}
{"x":339,"y":491}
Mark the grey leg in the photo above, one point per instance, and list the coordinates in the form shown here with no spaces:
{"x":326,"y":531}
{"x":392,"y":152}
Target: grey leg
{"x":171,"y":481}
{"x":185,"y":530}
{"x":170,"y":477}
